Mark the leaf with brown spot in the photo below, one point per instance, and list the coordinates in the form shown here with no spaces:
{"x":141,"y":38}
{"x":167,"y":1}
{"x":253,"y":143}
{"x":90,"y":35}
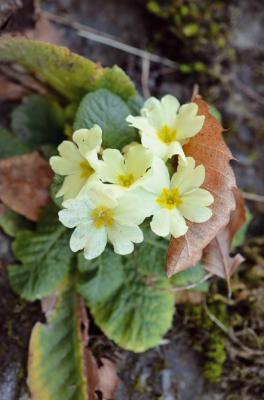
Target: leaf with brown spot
{"x":24,"y":183}
{"x":216,"y":256}
{"x":207,"y":148}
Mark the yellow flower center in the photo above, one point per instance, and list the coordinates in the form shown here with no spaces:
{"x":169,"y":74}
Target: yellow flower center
{"x":126,"y":180}
{"x":167,"y":135}
{"x":86,"y":170}
{"x":102,"y":216}
{"x":169,"y":198}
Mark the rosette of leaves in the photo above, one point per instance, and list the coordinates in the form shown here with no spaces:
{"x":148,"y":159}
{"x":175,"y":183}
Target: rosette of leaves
{"x":130,"y":298}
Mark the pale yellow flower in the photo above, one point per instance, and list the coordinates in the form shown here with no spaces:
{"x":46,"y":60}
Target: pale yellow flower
{"x":126,"y":171}
{"x":165,"y":126}
{"x":172,"y":201}
{"x":99,"y":215}
{"x":77,"y":161}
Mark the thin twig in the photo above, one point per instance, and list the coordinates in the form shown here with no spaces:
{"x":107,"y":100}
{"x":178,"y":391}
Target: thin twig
{"x":109,"y":40}
{"x":145,"y":77}
{"x":193,"y":285}
{"x":253,"y":197}
{"x":231,"y":334}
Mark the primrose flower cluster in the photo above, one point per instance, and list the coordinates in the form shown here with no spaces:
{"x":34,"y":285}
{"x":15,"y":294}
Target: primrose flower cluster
{"x":107,"y":194}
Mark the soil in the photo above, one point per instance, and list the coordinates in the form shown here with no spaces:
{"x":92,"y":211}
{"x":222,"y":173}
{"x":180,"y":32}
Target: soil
{"x":234,"y":84}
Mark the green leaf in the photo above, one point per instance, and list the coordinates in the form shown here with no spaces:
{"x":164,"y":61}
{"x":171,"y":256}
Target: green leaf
{"x":239,"y":237}
{"x":55,"y":187}
{"x":37,"y":121}
{"x":58,"y":367}
{"x":10,"y":145}
{"x":109,"y":112}
{"x":135,"y":103}
{"x":107,"y":275}
{"x":215,"y":113}
{"x":46,"y":259}
{"x":191,"y":276}
{"x":129,"y":297}
{"x":11,"y":222}
{"x":116,"y":81}
{"x":69,"y":74}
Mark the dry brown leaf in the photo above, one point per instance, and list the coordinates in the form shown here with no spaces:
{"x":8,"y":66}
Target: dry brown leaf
{"x":189,"y":297}
{"x":24,"y":183}
{"x":216,"y":256}
{"x":11,"y":91}
{"x":207,"y":148}
{"x":108,"y":379}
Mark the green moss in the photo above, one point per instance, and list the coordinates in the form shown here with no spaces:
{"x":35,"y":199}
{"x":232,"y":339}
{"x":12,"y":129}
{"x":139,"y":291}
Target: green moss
{"x":209,"y":339}
{"x":202,"y":26}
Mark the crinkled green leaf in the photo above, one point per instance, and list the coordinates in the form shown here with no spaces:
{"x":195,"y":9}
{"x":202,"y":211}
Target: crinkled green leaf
{"x":136,"y":306}
{"x":11,"y":222}
{"x":109,"y":112}
{"x":135,"y":103}
{"x":37,"y":121}
{"x":45,"y":259}
{"x":10,"y":145}
{"x":116,"y":81}
{"x":191,"y":276}
{"x":68,"y":73}
{"x":57,"y":368}
{"x":105,"y":277}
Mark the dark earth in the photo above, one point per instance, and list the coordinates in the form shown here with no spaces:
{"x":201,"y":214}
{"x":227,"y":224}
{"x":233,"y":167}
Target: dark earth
{"x":229,"y":70}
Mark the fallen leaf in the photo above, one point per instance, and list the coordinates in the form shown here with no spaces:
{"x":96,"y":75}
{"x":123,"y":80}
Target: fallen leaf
{"x":207,"y":148}
{"x":11,"y":91}
{"x":108,"y":379}
{"x":24,"y":183}
{"x":216,"y":256}
{"x":189,"y":297}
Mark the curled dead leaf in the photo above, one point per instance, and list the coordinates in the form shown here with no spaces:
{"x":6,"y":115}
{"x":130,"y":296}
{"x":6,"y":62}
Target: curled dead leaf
{"x":207,"y":148}
{"x":24,"y":183}
{"x":216,"y":257}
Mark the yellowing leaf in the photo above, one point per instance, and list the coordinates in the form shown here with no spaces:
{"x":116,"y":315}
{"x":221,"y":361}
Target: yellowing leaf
{"x":68,"y":73}
{"x":60,"y":366}
{"x":207,"y":148}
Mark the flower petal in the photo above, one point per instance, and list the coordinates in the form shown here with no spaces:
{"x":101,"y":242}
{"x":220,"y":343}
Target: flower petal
{"x":96,"y":243}
{"x":142,"y":124}
{"x":137,"y":161}
{"x":131,"y":209}
{"x":78,"y":239}
{"x":198,"y":197}
{"x":101,"y":194}
{"x":175,"y":148}
{"x":112,"y":166}
{"x":75,"y":213}
{"x":159,"y":177}
{"x":63,"y":166}
{"x":170,"y":106}
{"x":152,"y":143}
{"x":188,"y":123}
{"x":122,"y":237}
{"x":196,"y":213}
{"x":187,"y":176}
{"x":69,"y":151}
{"x":71,"y":186}
{"x":160,"y":223}
{"x":88,"y":140}
{"x":178,"y":225}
